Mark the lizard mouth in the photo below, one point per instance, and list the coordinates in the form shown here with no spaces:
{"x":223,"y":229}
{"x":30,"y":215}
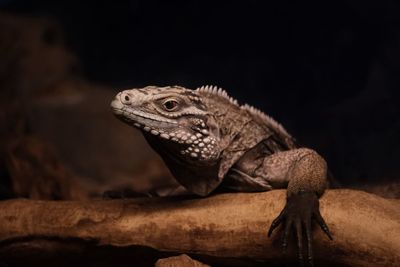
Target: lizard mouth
{"x":140,"y":119}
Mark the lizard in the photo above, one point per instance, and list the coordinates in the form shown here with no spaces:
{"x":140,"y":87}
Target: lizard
{"x":209,"y":142}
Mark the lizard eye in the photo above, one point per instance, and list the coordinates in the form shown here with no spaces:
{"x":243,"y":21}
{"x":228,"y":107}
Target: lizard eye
{"x":171,"y":105}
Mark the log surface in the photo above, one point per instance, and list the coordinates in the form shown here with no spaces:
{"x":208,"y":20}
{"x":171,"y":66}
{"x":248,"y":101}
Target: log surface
{"x":365,"y":227}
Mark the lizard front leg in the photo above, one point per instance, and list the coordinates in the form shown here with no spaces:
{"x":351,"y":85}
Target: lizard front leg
{"x":304,"y":172}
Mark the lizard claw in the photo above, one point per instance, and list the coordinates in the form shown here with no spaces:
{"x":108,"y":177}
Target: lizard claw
{"x":275,"y":223}
{"x":298,"y":213}
{"x":321,"y":222}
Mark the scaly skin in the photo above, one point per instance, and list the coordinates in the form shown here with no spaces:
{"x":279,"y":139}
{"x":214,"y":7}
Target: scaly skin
{"x":210,"y":142}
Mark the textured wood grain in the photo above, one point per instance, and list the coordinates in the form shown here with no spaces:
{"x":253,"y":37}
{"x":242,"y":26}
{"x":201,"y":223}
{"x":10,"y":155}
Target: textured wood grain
{"x":365,"y":227}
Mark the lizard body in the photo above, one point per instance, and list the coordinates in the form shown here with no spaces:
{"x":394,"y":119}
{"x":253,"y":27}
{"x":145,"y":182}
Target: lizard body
{"x":209,"y":141}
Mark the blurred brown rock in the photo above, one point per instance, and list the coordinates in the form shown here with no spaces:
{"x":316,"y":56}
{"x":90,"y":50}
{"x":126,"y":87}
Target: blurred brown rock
{"x":33,"y":55}
{"x":36,"y":173}
{"x":45,"y":97}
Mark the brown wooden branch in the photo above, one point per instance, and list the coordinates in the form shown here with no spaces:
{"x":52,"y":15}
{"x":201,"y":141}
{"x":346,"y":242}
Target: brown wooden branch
{"x":365,"y":227}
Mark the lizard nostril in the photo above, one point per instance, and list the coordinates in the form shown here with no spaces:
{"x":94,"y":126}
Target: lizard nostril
{"x":125,"y":98}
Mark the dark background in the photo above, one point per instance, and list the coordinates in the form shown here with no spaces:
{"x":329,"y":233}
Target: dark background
{"x":328,"y":70}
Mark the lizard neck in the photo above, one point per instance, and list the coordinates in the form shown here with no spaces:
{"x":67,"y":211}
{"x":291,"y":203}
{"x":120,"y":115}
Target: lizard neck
{"x":200,"y":178}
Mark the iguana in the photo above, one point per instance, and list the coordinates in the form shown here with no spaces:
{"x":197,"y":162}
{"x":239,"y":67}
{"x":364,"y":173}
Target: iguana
{"x":210,"y":142}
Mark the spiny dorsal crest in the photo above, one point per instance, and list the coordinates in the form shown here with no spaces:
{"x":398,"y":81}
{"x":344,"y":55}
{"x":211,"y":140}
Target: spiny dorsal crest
{"x":215,"y":91}
{"x":269,"y":121}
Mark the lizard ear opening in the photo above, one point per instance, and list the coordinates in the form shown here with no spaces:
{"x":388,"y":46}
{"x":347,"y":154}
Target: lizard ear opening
{"x":213,"y":126}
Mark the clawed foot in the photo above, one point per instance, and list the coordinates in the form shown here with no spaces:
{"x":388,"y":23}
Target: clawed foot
{"x":299,"y":211}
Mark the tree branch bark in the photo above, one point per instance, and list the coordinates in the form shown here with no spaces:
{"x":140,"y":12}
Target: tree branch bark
{"x":365,"y":228}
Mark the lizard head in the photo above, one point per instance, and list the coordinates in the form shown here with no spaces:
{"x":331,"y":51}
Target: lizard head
{"x":173,"y":117}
